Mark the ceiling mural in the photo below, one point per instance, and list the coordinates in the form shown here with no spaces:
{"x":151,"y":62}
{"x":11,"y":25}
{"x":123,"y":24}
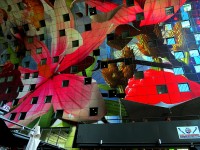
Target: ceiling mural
{"x":77,"y":59}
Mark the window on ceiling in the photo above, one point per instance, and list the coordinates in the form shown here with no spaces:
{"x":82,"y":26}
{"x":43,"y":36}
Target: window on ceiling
{"x":129,"y":3}
{"x":65,"y":83}
{"x":10,"y":79}
{"x":62,"y":32}
{"x":171,"y":41}
{"x":183,"y":87}
{"x":2,"y":102}
{"x":169,"y":10}
{"x":66,"y":17}
{"x":87,"y":80}
{"x":32,"y":87}
{"x":93,"y":111}
{"x":20,"y":88}
{"x":55,"y":59}
{"x":15,"y":102}
{"x":187,"y":7}
{"x":178,"y":71}
{"x":22,"y":116}
{"x":48,"y":99}
{"x":73,"y":69}
{"x":75,"y":43}
{"x":2,"y":79}
{"x":194,"y":53}
{"x":12,"y":116}
{"x":39,"y":50}
{"x":34,"y":100}
{"x":92,"y":11}
{"x":21,"y":6}
{"x":96,"y":52}
{"x":185,"y":24}
{"x":139,"y":75}
{"x":59,"y":114}
{"x":41,"y":37}
{"x":35,"y":74}
{"x":25,"y":27}
{"x":43,"y":61}
{"x":26,"y":75}
{"x":28,"y":53}
{"x":161,"y":89}
{"x":26,"y":64}
{"x":42,"y":23}
{"x":197,"y":68}
{"x":179,"y":54}
{"x":139,"y":16}
{"x":8,"y":90}
{"x":88,"y":27}
{"x":30,"y":39}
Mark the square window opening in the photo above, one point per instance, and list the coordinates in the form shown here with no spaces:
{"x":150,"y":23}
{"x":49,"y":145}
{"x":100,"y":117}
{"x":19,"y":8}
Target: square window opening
{"x":162,"y":89}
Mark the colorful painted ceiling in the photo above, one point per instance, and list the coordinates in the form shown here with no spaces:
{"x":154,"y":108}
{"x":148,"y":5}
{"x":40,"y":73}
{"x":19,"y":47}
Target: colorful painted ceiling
{"x":76,"y":59}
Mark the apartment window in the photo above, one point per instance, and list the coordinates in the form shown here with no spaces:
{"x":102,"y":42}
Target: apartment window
{"x":10,"y":79}
{"x":22,"y":115}
{"x":35,"y":75}
{"x":12,"y":116}
{"x":34,"y":100}
{"x":30,"y":39}
{"x":65,"y":83}
{"x":39,"y":50}
{"x":103,"y":64}
{"x":162,"y":89}
{"x":48,"y":99}
{"x":26,"y":75}
{"x":43,"y":61}
{"x":169,"y":10}
{"x":66,"y":17}
{"x":15,"y":102}
{"x":178,"y":71}
{"x":55,"y":59}
{"x":183,"y":87}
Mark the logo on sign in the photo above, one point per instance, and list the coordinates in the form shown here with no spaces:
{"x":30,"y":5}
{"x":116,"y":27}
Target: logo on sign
{"x":188,"y":132}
